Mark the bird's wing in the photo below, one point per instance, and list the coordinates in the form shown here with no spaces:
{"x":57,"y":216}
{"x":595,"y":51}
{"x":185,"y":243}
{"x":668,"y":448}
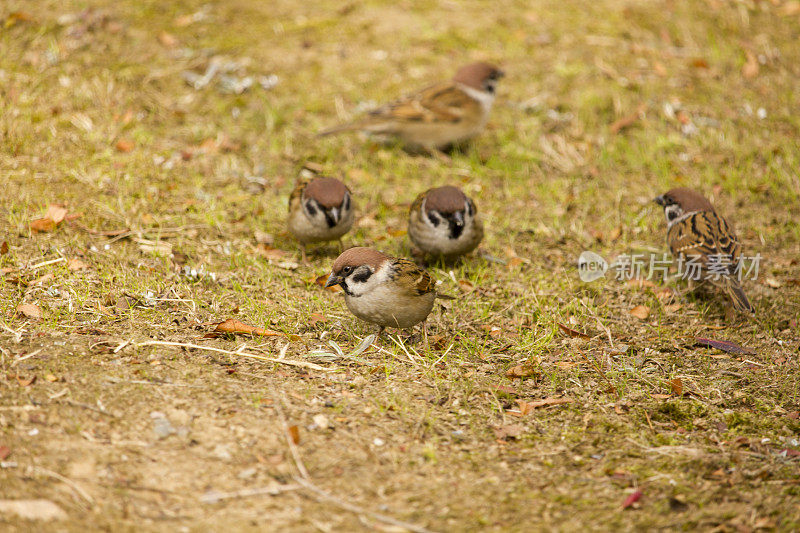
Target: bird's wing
{"x":412,"y":278}
{"x":297,"y":193}
{"x":704,"y":234}
{"x":439,"y":103}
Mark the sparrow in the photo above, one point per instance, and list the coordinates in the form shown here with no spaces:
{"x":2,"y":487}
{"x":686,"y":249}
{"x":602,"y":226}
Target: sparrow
{"x":438,"y":116}
{"x":320,"y":209}
{"x":444,"y":222}
{"x":696,"y":232}
{"x":387,"y":291}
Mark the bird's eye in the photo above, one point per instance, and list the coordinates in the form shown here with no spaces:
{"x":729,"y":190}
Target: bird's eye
{"x":346,"y":270}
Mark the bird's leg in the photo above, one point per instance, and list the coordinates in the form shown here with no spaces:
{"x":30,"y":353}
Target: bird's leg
{"x":437,"y":154}
{"x":425,"y":336}
{"x":303,"y":256}
{"x":341,"y":246}
{"x":380,"y":332}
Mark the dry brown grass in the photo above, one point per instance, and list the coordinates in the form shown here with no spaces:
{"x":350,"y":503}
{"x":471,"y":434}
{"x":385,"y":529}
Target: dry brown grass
{"x":95,"y":114}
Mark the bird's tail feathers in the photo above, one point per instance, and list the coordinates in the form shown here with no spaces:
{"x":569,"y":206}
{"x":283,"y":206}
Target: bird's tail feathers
{"x":738,"y":297}
{"x":338,"y":129}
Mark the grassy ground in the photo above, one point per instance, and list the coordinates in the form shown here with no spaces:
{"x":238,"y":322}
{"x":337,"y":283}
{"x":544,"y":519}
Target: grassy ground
{"x":95,"y":114}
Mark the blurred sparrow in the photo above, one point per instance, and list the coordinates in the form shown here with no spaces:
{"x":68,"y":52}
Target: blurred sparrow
{"x":383,"y":290}
{"x":444,"y":222}
{"x":320,"y":209}
{"x":697,"y":234}
{"x":436,"y":117}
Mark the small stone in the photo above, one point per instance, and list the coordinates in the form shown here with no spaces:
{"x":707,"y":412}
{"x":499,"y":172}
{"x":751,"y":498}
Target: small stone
{"x":43,"y":510}
{"x":378,"y":442}
{"x":247,"y":473}
{"x":162,"y":427}
{"x":321,"y":421}
{"x":222,"y":452}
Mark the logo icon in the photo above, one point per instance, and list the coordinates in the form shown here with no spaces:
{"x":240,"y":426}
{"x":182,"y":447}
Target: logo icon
{"x":591,"y":266}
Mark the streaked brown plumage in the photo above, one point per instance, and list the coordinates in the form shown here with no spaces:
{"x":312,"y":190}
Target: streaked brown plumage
{"x":444,"y":222}
{"x":438,"y":116}
{"x":696,"y":232}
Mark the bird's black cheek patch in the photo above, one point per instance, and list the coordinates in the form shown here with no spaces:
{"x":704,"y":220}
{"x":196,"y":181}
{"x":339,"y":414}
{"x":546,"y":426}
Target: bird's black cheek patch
{"x":311,"y":209}
{"x":362,"y":277}
{"x":434,"y":218}
{"x":346,"y":289}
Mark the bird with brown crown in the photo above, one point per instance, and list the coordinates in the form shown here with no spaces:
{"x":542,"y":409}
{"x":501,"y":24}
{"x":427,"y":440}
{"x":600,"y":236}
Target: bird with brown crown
{"x":383,"y":290}
{"x":320,"y":209}
{"x":444,"y":222}
{"x":436,"y":117}
{"x":697,"y":233}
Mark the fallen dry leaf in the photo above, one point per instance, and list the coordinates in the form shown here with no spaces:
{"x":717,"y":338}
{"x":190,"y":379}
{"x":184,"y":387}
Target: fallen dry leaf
{"x":322,"y":280}
{"x":627,"y":120}
{"x":5,"y":451}
{"x":17,"y":16}
{"x":725,"y":346}
{"x":267,"y":251}
{"x":509,"y":431}
{"x":465,"y":285}
{"x":294,"y":433}
{"x":526,"y":407}
{"x":43,"y":279}
{"x":4,"y":248}
{"x":640,"y":312}
{"x":26,"y":382}
{"x":520,"y":371}
{"x":237,"y":327}
{"x":505,"y":390}
{"x":29,"y":310}
{"x":316,"y":318}
{"x":51,"y":378}
{"x":661,"y":396}
{"x":75,"y":264}
{"x":43,"y":225}
{"x":571,"y":332}
{"x":632,"y":498}
{"x":124,"y":146}
{"x":677,"y":386}
{"x":673,"y":308}
{"x":167,"y":39}
{"x":54,"y":215}
{"x":750,"y":68}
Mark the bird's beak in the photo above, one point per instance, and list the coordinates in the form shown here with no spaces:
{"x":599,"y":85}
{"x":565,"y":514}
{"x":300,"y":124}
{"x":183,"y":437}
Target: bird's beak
{"x":660,"y":200}
{"x":333,"y":279}
{"x":335,"y":215}
{"x":458,"y":218}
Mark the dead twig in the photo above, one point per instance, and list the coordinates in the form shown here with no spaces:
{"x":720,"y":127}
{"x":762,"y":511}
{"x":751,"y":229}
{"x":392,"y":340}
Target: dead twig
{"x":272,"y":490}
{"x":289,"y":439}
{"x":289,"y":362}
{"x":74,"y":486}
